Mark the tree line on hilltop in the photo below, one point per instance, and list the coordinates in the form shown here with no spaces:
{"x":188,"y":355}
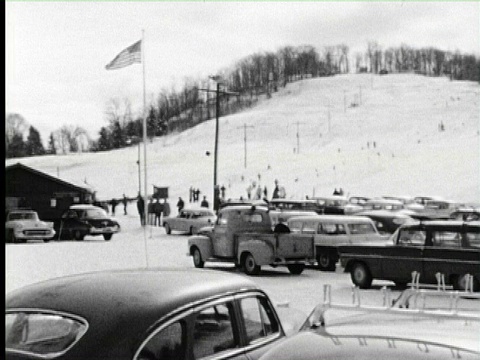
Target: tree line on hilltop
{"x":255,"y":76}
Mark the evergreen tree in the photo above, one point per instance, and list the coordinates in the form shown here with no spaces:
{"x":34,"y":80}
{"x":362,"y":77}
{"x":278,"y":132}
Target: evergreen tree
{"x":34,"y":145}
{"x":104,"y":140}
{"x":51,"y":145}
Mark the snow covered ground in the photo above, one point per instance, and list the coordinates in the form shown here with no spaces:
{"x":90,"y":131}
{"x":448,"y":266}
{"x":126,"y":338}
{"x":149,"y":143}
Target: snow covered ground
{"x":387,"y":144}
{"x":370,"y":135}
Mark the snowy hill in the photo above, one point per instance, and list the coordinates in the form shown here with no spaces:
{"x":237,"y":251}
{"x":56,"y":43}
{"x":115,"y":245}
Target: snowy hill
{"x":370,"y":135}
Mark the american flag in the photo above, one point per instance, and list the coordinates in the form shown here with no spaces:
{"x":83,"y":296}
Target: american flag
{"x":132,"y":54}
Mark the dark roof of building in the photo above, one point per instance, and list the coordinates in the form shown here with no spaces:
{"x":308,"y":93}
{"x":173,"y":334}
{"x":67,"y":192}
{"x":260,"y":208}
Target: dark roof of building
{"x":47,"y":176}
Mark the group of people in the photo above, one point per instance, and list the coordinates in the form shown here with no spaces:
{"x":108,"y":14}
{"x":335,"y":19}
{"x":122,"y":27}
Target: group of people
{"x":114,"y":202}
{"x":194,"y":195}
{"x":154,"y":210}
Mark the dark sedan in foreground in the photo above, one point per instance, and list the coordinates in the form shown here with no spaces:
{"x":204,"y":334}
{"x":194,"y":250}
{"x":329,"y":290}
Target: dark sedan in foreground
{"x":141,"y":315}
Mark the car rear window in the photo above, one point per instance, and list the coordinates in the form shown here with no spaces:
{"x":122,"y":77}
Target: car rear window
{"x":42,"y":334}
{"x":361,"y":229}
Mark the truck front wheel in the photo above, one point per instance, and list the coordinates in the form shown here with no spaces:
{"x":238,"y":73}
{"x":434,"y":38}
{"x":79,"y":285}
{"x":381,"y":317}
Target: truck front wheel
{"x":197,"y":258}
{"x":250,"y":267}
{"x":361,"y":276}
{"x":296,"y":269}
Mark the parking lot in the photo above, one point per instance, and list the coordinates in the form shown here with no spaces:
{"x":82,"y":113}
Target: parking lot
{"x":36,"y":261}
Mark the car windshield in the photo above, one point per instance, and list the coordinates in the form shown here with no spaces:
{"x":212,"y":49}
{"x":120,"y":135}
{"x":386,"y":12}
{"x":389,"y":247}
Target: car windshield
{"x":41,"y":334}
{"x":95,"y":213}
{"x":24,"y":216}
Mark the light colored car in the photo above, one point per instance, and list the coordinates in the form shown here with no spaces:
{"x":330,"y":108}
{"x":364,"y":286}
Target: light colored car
{"x":189,"y":221}
{"x":331,"y":231}
{"x":408,"y":201}
{"x":23,"y":225}
{"x":384,"y":204}
{"x":439,"y":209}
{"x":420,"y":325}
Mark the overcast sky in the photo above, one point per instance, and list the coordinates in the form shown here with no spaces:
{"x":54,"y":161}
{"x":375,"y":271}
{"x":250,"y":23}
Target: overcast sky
{"x":56,"y":52}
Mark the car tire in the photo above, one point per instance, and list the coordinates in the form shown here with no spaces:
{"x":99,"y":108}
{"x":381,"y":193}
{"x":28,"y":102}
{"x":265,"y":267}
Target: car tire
{"x":107,"y":237}
{"x":78,"y":235}
{"x":46,"y":240}
{"x":326,"y":261}
{"x":249,"y":265}
{"x":360,"y":275}
{"x":197,"y":258}
{"x":296,"y":269}
{"x":10,"y":238}
{"x":167,"y":229}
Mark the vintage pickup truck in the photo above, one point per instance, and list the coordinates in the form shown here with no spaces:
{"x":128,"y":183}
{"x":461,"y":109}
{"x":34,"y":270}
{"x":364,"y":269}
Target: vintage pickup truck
{"x":243,"y":235}
{"x":442,"y":252}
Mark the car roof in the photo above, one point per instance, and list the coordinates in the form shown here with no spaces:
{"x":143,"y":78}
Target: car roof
{"x":339,"y":218}
{"x":383,"y":214}
{"x":384,"y":201}
{"x":131,"y":300}
{"x":84,"y":207}
{"x":447,"y":224}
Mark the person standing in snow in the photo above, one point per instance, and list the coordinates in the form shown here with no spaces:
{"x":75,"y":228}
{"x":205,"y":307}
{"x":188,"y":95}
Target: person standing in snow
{"x":141,"y":209}
{"x":275,"y":190}
{"x":125,"y":202}
{"x":180,"y":204}
{"x":113,"y":203}
{"x":204,"y":202}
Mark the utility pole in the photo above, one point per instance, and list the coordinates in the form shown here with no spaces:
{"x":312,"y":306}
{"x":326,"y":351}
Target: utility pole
{"x":245,"y":141}
{"x":217,"y":91}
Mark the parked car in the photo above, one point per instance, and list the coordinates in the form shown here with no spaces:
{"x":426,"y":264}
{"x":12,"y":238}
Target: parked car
{"x":386,"y":221}
{"x":334,"y":204}
{"x":408,"y":329}
{"x":355,"y":204}
{"x":438,"y":209}
{"x":383,"y":204}
{"x":445,"y":247}
{"x":82,"y":220}
{"x":23,"y":225}
{"x":295,"y":205}
{"x":466,"y":214}
{"x":407,"y":201}
{"x":331,"y":231}
{"x":143,"y":315}
{"x":189,"y":221}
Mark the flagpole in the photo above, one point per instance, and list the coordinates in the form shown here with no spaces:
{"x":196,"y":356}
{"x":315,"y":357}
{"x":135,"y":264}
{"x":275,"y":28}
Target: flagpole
{"x":145,"y":201}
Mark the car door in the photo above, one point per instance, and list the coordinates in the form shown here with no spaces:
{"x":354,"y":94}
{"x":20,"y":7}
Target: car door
{"x":406,"y":256}
{"x":68,"y":224}
{"x":259,"y":323}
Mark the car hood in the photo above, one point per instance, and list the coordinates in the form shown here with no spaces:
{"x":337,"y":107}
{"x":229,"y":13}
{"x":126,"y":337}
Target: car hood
{"x":32,"y":223}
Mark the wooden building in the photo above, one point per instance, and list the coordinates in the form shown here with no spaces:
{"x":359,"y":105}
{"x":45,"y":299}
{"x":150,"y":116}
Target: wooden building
{"x":50,"y":196}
